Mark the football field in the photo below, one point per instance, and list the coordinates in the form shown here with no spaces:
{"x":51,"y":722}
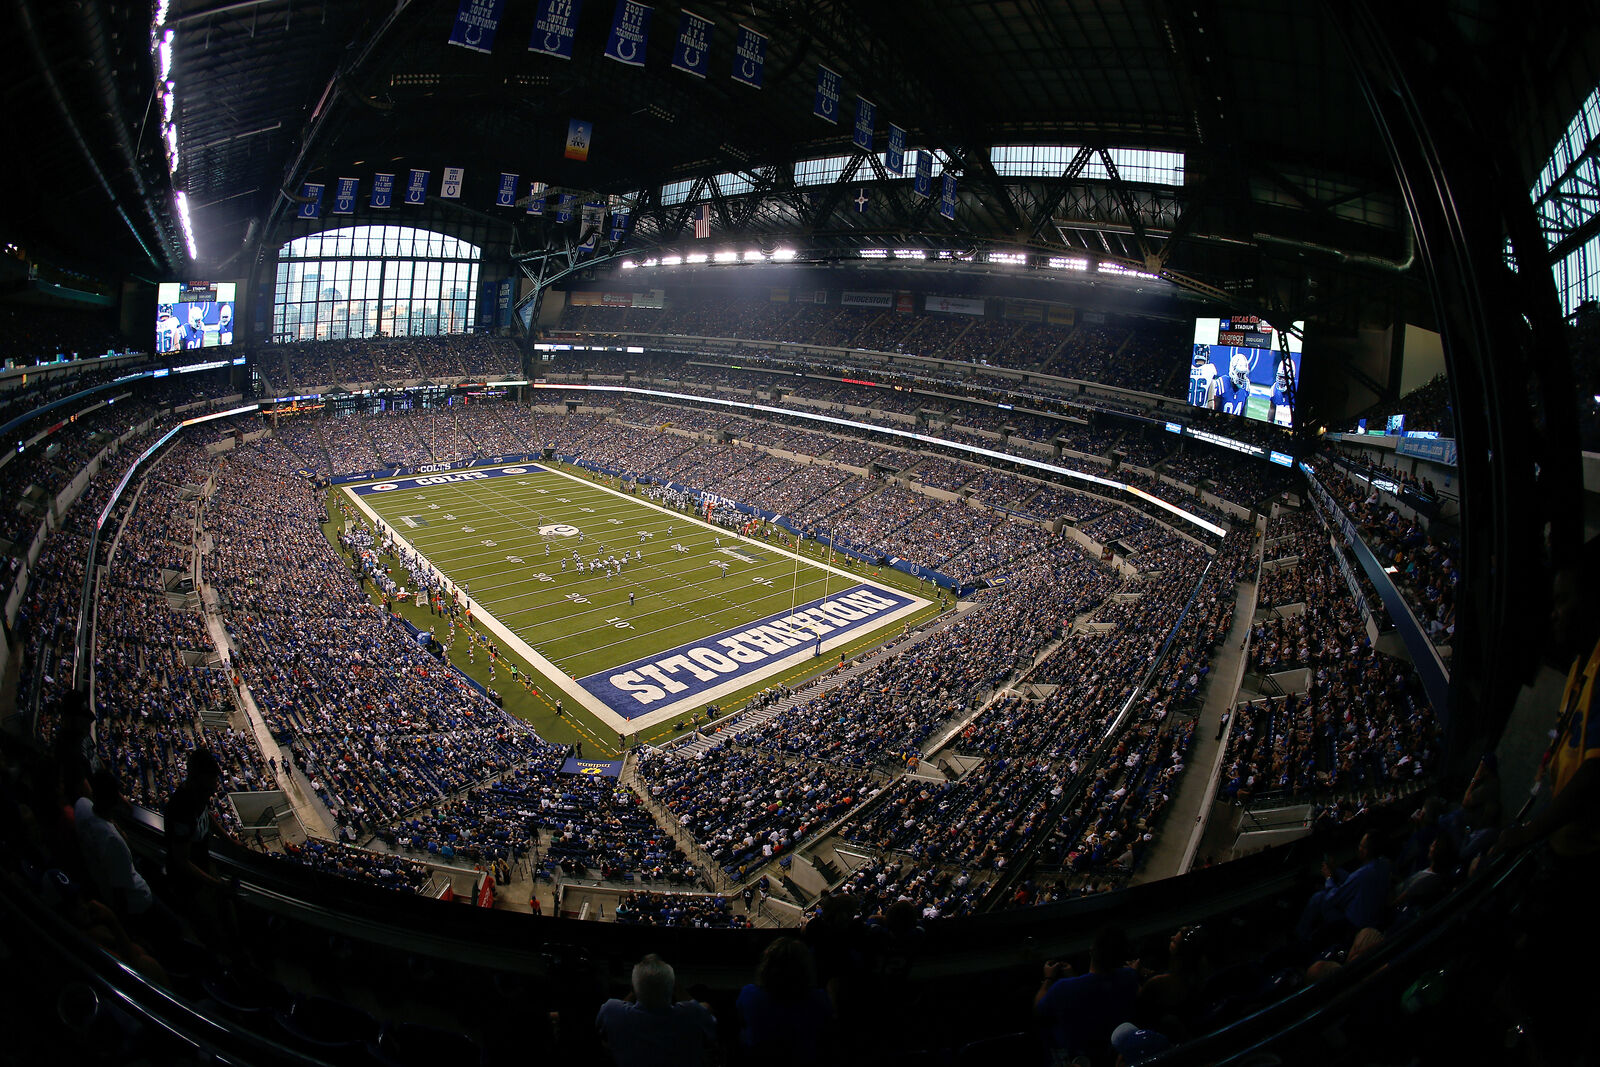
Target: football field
{"x":637,"y":613}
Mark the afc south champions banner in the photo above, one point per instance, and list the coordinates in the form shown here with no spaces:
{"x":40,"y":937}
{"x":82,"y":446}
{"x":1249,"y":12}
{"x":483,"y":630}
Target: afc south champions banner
{"x":866,"y":120}
{"x":825,"y":105}
{"x":630,"y":32}
{"x":311,"y":207}
{"x":947,"y":196}
{"x":895,"y":156}
{"x":507,"y":194}
{"x":344,"y":197}
{"x":554,"y":28}
{"x":922,"y":184}
{"x":476,"y":21}
{"x":382,"y":190}
{"x":417,"y":187}
{"x":749,"y":57}
{"x":692,"y":52}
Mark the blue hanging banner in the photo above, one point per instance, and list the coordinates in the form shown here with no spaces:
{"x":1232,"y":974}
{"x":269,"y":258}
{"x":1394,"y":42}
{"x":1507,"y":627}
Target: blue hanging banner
{"x":564,"y":204}
{"x":619,"y":224}
{"x":555,"y":27}
{"x":895,"y":157}
{"x":312,"y":207}
{"x":450,"y":187}
{"x":507,"y":196}
{"x":947,"y":197}
{"x":825,"y":105}
{"x":382,"y":190}
{"x":692,"y":53}
{"x":922,"y":184}
{"x":750,"y":57}
{"x":866,"y":120}
{"x":536,"y":198}
{"x":476,"y":21}
{"x":417,"y":187}
{"x":630,"y":32}
{"x":344,"y":197}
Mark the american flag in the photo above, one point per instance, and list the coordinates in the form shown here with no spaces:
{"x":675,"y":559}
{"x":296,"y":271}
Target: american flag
{"x":702,"y":221}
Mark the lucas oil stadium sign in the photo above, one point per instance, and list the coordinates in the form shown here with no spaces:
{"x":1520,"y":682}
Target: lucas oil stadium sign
{"x":689,"y":674}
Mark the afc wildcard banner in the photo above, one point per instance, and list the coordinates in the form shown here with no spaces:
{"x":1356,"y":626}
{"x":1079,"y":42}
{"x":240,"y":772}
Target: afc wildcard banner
{"x":825,"y":105}
{"x":749,"y":57}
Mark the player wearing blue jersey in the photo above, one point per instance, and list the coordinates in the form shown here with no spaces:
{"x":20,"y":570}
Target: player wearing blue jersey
{"x":1280,"y":411}
{"x":1204,"y":379}
{"x":1235,"y":393}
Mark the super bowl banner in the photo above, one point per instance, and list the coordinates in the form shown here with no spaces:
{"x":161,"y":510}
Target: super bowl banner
{"x":382,"y":190}
{"x":579,"y":134}
{"x":417,"y":187}
{"x":536,"y":198}
{"x":344,"y":197}
{"x":630,"y":32}
{"x":476,"y":21}
{"x":450,"y":188}
{"x":555,"y":27}
{"x":866,"y":119}
{"x":692,"y":53}
{"x":750,"y":57}
{"x":947,"y":197}
{"x":895,"y":157}
{"x":507,"y":196}
{"x":922,"y":184}
{"x":825,"y":105}
{"x":311,"y":208}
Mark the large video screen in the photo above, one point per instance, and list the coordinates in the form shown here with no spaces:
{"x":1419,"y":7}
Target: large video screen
{"x":1238,"y":367}
{"x":193,"y":315}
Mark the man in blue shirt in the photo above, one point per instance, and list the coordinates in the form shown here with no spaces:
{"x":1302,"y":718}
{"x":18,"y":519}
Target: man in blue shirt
{"x":649,"y":1030}
{"x":1357,"y":898}
{"x":1082,"y":1010}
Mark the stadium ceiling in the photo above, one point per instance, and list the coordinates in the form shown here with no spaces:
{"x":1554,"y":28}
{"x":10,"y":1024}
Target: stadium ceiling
{"x":1280,"y":158}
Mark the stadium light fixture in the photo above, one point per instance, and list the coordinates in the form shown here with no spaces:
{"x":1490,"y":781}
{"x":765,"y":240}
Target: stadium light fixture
{"x":726,"y":257}
{"x":164,"y":51}
{"x":695,"y":257}
{"x":671,"y":261}
{"x":628,"y":264}
{"x":874,"y":253}
{"x":783,"y":254}
{"x":182,"y":199}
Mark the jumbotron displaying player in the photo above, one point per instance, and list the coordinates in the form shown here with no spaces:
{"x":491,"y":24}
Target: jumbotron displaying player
{"x":168,"y":330}
{"x":1235,"y":392}
{"x":1205,"y":381}
{"x":1280,"y":412}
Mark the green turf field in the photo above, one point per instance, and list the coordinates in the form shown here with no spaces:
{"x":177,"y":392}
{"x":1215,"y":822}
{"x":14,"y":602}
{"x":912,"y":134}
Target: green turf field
{"x":510,"y":543}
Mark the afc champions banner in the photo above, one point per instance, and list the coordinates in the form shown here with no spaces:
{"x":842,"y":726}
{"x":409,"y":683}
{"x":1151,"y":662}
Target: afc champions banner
{"x":692,"y":52}
{"x":749,"y":57}
{"x":450,"y":187}
{"x":417,"y":187}
{"x":311,"y":206}
{"x":507,"y":194}
{"x":344,"y":197}
{"x":476,"y":21}
{"x":382,"y":190}
{"x":895,"y":156}
{"x":630,"y":32}
{"x":579,"y":133}
{"x":555,"y":27}
{"x":922,"y":183}
{"x":866,"y":120}
{"x":947,"y":197}
{"x":825,"y":105}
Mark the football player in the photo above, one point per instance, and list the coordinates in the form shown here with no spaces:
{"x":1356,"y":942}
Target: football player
{"x":1236,"y":386}
{"x":168,"y":330}
{"x":194,"y":334}
{"x":1280,"y":412}
{"x":1204,"y":379}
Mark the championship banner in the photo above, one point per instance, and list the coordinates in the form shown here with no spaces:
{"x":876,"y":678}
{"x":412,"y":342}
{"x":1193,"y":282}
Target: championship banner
{"x":825,"y":105}
{"x":922,"y":183}
{"x":895,"y":157}
{"x":344,"y":197}
{"x":417,"y":187}
{"x":450,"y":187}
{"x":750,"y":57}
{"x":630,"y":31}
{"x":312,"y":207}
{"x":692,"y":53}
{"x":476,"y":21}
{"x":536,"y":198}
{"x":579,"y":134}
{"x":593,"y":768}
{"x":594,"y":219}
{"x":382,"y":190}
{"x":947,"y":196}
{"x":866,"y":120}
{"x":555,"y":27}
{"x":507,"y":196}
{"x":564,"y":204}
{"x":619,"y":224}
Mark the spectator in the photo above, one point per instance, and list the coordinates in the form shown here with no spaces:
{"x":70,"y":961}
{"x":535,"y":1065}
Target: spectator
{"x":784,"y":1013}
{"x":1348,"y":902}
{"x":648,"y":1030}
{"x":1082,"y":1010}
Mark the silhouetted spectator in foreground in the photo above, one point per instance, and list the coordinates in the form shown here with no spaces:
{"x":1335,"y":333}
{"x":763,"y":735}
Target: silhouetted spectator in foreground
{"x":784,"y":1013}
{"x":1082,"y":1010}
{"x":649,"y":1030}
